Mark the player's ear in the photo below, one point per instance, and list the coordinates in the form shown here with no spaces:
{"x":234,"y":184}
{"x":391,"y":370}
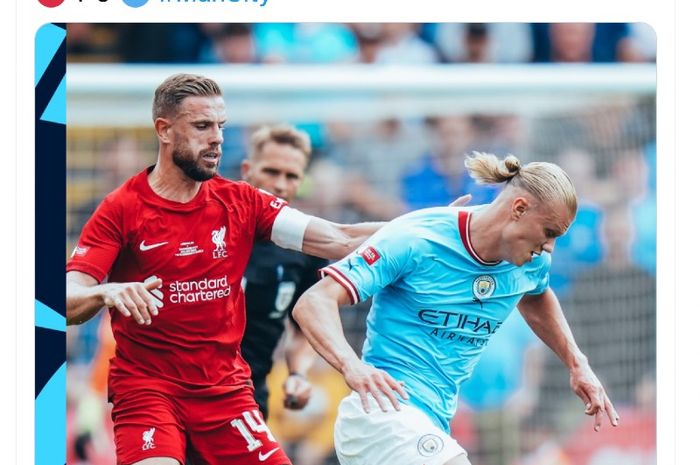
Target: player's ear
{"x":519,"y":206}
{"x":162,"y":125}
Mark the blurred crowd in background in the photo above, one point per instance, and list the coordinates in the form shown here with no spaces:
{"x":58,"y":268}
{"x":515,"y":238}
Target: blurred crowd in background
{"x":517,"y":409}
{"x":371,"y":43}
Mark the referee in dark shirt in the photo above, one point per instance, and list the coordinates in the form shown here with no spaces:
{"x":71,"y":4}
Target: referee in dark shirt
{"x":276,"y":277}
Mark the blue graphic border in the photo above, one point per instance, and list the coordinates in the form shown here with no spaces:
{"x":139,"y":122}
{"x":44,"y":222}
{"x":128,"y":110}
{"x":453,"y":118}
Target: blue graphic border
{"x":50,"y":230}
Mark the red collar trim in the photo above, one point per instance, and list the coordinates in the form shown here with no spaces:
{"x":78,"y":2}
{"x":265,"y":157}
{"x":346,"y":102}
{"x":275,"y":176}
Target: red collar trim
{"x":463,"y":221}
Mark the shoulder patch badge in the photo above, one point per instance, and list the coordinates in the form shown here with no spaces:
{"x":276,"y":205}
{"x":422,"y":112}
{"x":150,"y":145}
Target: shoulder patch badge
{"x":370,"y":255}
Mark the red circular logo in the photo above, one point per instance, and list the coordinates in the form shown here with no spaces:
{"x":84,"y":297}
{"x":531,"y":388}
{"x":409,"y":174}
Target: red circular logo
{"x":51,"y":3}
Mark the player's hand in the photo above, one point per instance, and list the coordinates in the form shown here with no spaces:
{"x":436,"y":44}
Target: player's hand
{"x":366,"y":379}
{"x":587,"y":386}
{"x":461,"y":201}
{"x":136,"y":300}
{"x":297,"y":391}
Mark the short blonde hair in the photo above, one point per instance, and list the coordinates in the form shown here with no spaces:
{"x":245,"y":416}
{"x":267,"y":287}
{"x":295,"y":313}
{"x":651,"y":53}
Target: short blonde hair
{"x":546,"y":181}
{"x":282,"y":134}
{"x":176,"y":88}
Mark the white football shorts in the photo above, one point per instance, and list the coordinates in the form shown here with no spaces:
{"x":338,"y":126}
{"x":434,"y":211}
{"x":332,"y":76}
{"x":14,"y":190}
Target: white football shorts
{"x":406,"y":437}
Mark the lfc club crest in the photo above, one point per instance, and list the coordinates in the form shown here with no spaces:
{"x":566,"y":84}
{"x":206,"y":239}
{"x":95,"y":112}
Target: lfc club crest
{"x":217,"y":237}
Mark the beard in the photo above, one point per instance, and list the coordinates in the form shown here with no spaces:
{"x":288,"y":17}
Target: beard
{"x":187,"y":162}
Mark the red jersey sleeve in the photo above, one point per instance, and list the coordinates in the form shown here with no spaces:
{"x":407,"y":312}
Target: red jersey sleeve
{"x":100,"y":241}
{"x":266,"y":207}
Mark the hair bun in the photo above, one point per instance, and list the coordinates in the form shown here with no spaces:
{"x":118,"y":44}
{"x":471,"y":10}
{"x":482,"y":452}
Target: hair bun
{"x":512,"y":164}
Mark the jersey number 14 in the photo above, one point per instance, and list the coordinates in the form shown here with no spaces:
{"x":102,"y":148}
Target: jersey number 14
{"x":252,"y":424}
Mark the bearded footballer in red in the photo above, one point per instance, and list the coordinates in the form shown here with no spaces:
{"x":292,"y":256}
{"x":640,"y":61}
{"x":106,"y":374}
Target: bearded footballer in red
{"x":172,"y":243}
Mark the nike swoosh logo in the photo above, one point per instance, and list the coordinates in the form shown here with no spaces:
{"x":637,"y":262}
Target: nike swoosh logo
{"x":262,"y":457}
{"x":143,"y":247}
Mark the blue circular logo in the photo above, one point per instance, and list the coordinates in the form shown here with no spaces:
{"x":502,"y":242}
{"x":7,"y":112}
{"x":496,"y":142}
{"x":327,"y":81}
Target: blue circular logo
{"x":135,"y":3}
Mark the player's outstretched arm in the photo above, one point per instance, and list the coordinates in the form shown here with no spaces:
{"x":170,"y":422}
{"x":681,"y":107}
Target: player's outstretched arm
{"x":334,"y":241}
{"x":85,"y":297}
{"x":317,"y":313}
{"x":299,"y":356}
{"x":544,"y":315}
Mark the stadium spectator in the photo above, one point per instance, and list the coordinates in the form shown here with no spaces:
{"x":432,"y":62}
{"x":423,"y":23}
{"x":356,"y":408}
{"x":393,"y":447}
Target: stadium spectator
{"x":369,"y":40}
{"x":424,"y":332}
{"x":401,"y":45}
{"x":304,"y":42}
{"x":476,"y":40}
{"x":439,"y":175}
{"x":583,"y":43}
{"x":174,"y":241}
{"x":570,"y":42}
{"x":233,"y":43}
{"x":480,"y":42}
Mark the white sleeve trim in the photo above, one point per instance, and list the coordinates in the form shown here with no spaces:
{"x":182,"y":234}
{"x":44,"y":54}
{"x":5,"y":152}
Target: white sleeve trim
{"x":289,"y":228}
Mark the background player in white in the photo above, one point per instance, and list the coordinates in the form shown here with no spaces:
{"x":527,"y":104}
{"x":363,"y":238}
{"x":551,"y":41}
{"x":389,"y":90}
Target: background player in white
{"x":443,"y":281}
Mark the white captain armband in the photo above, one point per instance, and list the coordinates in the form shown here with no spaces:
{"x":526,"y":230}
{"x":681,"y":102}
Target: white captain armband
{"x":289,"y":228}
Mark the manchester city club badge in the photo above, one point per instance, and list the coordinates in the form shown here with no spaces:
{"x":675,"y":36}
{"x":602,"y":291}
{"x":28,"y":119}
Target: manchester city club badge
{"x":483,"y":287}
{"x":429,"y":445}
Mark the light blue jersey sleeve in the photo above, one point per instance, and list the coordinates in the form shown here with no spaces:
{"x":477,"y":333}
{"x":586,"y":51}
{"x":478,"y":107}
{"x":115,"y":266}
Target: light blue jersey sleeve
{"x":384,"y":258}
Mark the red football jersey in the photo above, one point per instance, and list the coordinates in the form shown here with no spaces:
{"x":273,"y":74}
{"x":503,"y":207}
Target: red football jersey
{"x":200,"y":250}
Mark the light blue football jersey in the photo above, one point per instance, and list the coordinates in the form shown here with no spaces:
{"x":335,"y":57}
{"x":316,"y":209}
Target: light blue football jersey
{"x":436,"y":302}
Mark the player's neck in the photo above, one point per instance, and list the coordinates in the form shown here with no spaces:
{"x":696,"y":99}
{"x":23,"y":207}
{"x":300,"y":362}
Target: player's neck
{"x":485,"y":234}
{"x":168,"y":181}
